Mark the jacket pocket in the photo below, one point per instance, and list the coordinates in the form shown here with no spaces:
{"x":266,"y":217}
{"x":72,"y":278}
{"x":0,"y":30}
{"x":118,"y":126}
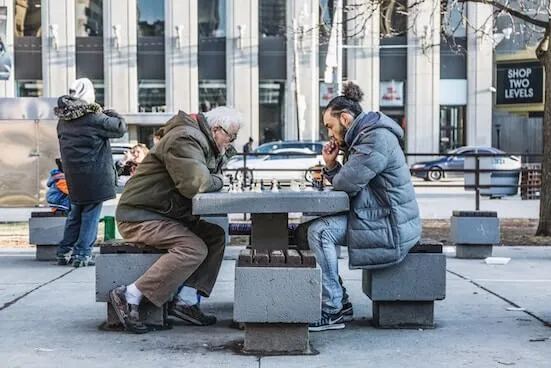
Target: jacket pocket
{"x":372,"y":218}
{"x":373,"y":227}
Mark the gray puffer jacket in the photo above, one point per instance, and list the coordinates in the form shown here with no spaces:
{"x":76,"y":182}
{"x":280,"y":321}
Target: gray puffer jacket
{"x":383,"y":222}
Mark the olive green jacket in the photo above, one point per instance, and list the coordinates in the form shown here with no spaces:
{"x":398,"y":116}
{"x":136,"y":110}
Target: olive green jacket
{"x":185,"y":162}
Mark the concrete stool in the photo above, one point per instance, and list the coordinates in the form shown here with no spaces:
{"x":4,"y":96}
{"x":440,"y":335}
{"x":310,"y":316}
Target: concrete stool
{"x":46,"y":231}
{"x":277,"y":293}
{"x":403,"y":295}
{"x":121,"y":263}
{"x":474,"y":233}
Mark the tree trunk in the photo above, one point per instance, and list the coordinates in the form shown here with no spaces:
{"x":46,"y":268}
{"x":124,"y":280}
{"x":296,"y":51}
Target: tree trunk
{"x":544,"y":227}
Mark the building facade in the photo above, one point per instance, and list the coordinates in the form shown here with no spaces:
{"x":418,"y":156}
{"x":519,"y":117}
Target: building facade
{"x":151,"y":58}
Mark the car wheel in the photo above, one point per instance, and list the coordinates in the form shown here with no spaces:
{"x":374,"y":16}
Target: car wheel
{"x":435,"y":174}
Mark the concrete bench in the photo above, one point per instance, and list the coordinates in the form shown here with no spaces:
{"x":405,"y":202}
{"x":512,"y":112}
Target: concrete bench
{"x":277,"y":293}
{"x":45,"y":232}
{"x":474,"y":233}
{"x":121,"y":263}
{"x":403,"y":295}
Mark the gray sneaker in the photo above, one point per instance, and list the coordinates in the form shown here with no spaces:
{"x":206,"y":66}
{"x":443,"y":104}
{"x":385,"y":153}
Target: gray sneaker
{"x":128,"y":313}
{"x":64,"y":259}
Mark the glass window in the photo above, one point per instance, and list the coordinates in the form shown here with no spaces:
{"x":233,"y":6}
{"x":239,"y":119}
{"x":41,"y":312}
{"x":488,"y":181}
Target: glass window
{"x":151,"y":18}
{"x":271,"y":110}
{"x":394,"y":20}
{"x":211,"y":18}
{"x":272,"y":18}
{"x":100,"y":91}
{"x":152,"y":95}
{"x":89,"y":18}
{"x":27,"y":18}
{"x":452,"y":127}
{"x":29,"y":88}
{"x":212,"y":94}
{"x":453,"y":19}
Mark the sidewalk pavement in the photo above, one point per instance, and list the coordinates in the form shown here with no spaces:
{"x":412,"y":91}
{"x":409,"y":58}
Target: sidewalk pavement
{"x":49,"y":318}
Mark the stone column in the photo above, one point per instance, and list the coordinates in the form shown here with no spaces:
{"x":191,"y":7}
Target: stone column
{"x":58,"y":46}
{"x":363,"y":58}
{"x":302,"y":48}
{"x":423,"y":77}
{"x":181,"y":37}
{"x":7,"y":87}
{"x":120,"y":55}
{"x":242,"y":64}
{"x":479,"y":75}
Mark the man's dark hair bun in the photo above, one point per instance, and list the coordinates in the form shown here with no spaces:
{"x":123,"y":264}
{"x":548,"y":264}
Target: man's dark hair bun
{"x":353,"y":92}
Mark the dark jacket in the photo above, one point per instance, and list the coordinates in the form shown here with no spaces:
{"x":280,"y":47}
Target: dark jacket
{"x":83,"y":131}
{"x":185,"y":162}
{"x":383,"y":222}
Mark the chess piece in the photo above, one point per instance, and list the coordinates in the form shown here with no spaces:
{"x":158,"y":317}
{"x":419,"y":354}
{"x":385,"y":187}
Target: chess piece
{"x":261,"y":185}
{"x":275,"y":186}
{"x":302,"y":186}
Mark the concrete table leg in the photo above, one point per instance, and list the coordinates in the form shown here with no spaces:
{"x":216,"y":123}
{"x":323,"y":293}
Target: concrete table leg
{"x":403,"y":314}
{"x":269,"y":231}
{"x":46,"y":252}
{"x":276,"y":338}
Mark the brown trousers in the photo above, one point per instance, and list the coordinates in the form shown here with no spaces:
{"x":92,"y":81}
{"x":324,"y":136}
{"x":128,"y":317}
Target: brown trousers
{"x":194,"y":256}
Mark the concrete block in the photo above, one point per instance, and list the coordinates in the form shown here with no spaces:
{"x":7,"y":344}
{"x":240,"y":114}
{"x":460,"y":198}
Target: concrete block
{"x":46,"y":230}
{"x":469,"y":251}
{"x":403,"y":314}
{"x":277,"y":295}
{"x":221,"y":221}
{"x":284,"y":201}
{"x":419,"y":277}
{"x":149,"y":314}
{"x":268,"y":338}
{"x":46,"y":252}
{"x":475,"y":230}
{"x":113,"y":270}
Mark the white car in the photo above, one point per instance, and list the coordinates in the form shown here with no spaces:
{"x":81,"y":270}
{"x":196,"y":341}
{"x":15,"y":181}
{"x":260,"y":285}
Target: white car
{"x":289,"y":164}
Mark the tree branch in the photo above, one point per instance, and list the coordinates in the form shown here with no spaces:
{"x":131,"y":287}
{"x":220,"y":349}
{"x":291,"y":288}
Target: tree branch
{"x":515,"y":13}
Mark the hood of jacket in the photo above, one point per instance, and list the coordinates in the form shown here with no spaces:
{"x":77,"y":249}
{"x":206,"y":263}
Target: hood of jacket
{"x":194,"y":121}
{"x":69,"y":108}
{"x":369,"y":121}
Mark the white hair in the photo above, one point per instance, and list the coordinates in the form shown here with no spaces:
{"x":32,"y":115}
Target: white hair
{"x":83,"y":89}
{"x":225,"y":117}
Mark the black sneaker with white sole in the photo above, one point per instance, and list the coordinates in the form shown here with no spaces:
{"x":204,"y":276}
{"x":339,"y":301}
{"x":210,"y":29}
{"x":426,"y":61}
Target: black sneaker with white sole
{"x":347,"y":312}
{"x":327,"y":322}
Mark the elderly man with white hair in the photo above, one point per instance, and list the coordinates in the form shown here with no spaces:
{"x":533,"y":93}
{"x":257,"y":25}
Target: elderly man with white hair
{"x":155,"y":210}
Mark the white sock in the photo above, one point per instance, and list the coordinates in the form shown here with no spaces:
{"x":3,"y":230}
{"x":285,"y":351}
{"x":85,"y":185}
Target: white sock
{"x":133,"y":295}
{"x":187,"y":296}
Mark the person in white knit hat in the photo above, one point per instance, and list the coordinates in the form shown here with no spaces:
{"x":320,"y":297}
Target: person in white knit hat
{"x":84,"y":130}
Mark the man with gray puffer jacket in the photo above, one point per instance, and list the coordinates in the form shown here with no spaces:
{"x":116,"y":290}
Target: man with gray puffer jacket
{"x":383,"y":223}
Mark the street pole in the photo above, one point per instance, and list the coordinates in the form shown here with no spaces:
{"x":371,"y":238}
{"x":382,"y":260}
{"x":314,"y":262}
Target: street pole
{"x":339,"y":24}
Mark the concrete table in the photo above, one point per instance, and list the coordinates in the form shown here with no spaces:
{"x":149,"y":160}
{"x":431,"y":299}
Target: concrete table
{"x":275,"y":304}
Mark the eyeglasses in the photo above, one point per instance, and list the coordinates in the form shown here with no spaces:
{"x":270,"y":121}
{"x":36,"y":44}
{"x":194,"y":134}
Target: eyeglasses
{"x":232,"y":137}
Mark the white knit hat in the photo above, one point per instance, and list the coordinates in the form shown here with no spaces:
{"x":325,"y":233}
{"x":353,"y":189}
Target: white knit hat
{"x":83,"y":89}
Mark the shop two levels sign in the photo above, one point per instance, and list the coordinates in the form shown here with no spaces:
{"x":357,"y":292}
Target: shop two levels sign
{"x":519,"y":83}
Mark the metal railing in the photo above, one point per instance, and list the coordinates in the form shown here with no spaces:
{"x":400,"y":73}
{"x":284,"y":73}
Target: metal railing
{"x":247,"y":170}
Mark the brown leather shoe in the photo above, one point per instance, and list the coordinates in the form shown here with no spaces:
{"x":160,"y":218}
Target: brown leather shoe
{"x":128,"y":313}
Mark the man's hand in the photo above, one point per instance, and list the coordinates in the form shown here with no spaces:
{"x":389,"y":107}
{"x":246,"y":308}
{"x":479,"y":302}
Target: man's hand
{"x":330,"y":153}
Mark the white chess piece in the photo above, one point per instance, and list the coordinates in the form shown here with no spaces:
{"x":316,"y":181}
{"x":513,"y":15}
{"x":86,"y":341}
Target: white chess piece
{"x":257,"y":187}
{"x":274,"y":186}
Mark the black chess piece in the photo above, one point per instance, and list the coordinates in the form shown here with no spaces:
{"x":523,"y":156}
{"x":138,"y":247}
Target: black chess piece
{"x":261,"y":185}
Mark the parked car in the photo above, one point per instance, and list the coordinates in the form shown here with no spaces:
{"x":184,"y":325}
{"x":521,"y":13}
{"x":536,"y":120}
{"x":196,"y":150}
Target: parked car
{"x":270,"y":147}
{"x":289,"y":164}
{"x":118,"y":150}
{"x":450,"y":165}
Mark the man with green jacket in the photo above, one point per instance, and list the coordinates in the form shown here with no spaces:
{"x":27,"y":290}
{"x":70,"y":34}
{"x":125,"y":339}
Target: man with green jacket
{"x":155,"y":209}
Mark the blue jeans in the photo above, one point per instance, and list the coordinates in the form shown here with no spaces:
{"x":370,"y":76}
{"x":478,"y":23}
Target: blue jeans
{"x":81,"y":231}
{"x":322,"y":236}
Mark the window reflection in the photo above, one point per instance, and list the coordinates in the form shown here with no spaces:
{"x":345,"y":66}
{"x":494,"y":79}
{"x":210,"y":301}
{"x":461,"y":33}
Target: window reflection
{"x":271,"y":110}
{"x":272,"y":18}
{"x":27,"y":18}
{"x":212,"y":93}
{"x":151,"y":18}
{"x":152,"y":95}
{"x":29,"y":88}
{"x":89,"y":18}
{"x":211,"y":18}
